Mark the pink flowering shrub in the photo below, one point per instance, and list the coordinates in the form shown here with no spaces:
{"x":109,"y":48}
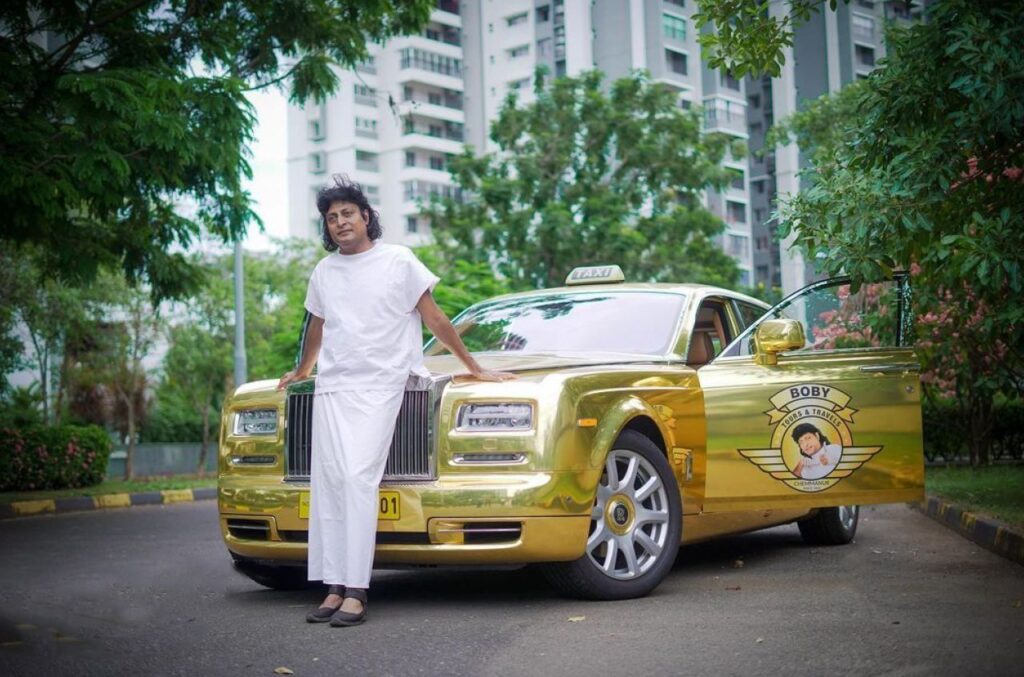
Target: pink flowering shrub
{"x":861,"y":320}
{"x":44,"y":457}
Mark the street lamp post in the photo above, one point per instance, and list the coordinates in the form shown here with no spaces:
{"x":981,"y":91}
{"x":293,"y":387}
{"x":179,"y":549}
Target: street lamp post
{"x":240,"y":365}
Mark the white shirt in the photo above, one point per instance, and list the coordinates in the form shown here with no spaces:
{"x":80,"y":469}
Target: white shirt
{"x":373,"y":334}
{"x":813,"y":468}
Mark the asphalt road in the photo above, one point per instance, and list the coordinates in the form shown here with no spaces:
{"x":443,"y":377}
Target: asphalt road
{"x":150,"y":591}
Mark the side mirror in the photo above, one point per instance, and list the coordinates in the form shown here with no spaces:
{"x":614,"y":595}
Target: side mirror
{"x":777,"y":336}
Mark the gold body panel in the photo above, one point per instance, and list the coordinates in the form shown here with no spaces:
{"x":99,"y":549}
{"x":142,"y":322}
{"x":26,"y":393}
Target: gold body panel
{"x":703,"y":420}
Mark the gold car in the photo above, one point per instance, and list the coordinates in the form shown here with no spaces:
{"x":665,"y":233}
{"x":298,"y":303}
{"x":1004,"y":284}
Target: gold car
{"x":644,"y":416}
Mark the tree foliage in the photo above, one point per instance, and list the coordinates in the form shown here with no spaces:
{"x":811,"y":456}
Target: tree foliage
{"x":748,"y":37}
{"x":922,"y":166}
{"x":585,"y":175}
{"x":124,"y":125}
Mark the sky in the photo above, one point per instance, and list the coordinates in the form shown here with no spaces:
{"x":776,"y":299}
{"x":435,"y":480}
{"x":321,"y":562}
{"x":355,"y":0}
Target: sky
{"x":269,"y":184}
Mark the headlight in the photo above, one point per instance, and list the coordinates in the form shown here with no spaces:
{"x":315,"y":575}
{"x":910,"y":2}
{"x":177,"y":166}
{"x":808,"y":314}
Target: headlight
{"x":256,"y":422}
{"x":491,"y":417}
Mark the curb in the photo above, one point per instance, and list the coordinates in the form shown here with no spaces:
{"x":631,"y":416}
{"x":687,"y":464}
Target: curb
{"x":987,"y":532}
{"x":50,"y":506}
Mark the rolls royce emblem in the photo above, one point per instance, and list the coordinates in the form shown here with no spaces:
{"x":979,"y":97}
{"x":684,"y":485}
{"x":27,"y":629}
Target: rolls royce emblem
{"x":620,"y":514}
{"x":812,"y":445}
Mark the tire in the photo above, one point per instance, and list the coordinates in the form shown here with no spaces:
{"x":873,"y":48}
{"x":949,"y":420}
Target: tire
{"x":637,"y":510}
{"x":831,"y":526}
{"x":276,"y":577}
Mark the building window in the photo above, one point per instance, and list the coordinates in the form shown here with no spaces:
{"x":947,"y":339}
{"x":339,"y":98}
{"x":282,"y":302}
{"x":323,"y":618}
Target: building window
{"x":410,"y":158}
{"x":677,"y":3}
{"x":365,"y":95}
{"x":411,"y":224}
{"x":754,"y":100}
{"x":735,"y":212}
{"x":434,"y":98}
{"x":517,"y":52}
{"x":674,"y":27}
{"x":366,"y":128}
{"x":318,"y":162}
{"x":736,"y":245}
{"x":437,"y":162}
{"x":366,"y":161}
{"x":517,"y":19}
{"x":543,"y":14}
{"x":755,"y":128}
{"x":316,"y":130}
{"x":737,"y":178}
{"x":863,"y":27}
{"x":865,"y":56}
{"x":729,"y":82}
{"x":429,"y":61}
{"x":675,"y":61}
{"x":544,"y":48}
{"x":517,"y":85}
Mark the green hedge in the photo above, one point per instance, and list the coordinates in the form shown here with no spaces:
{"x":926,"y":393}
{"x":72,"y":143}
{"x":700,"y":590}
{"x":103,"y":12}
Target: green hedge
{"x":43,"y":457}
{"x":946,"y":431}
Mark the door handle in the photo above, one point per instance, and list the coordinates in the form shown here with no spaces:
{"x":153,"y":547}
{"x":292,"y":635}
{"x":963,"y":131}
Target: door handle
{"x":891,"y":368}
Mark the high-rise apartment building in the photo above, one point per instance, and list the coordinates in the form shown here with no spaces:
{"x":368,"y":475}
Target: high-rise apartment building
{"x":399,"y":118}
{"x":829,"y":51}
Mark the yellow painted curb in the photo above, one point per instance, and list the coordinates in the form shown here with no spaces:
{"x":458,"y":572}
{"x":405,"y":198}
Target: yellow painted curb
{"x":177,"y":495}
{"x":34,"y":507}
{"x":112,"y":501}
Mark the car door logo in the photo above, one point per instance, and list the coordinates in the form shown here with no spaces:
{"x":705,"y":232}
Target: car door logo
{"x":811,"y":445}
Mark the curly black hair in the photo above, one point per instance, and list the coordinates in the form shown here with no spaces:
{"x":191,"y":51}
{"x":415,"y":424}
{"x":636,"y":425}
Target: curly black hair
{"x":345,"y":190}
{"x":805,"y":428}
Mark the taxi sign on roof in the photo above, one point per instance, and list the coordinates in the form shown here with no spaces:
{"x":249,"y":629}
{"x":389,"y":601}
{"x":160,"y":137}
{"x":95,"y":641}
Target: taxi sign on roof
{"x":595,"y":275}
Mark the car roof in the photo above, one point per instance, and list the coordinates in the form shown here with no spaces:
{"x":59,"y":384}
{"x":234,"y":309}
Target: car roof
{"x":689,"y":289}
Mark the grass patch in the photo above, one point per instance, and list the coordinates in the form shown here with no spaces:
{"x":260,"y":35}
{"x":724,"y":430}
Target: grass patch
{"x":115,"y":487}
{"x":997,"y":490}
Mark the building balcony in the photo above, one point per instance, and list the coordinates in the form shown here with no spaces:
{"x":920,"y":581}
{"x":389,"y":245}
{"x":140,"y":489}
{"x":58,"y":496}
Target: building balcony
{"x":447,"y":13}
{"x":425,"y":141}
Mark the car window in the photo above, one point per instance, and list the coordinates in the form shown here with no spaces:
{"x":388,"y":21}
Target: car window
{"x":749,"y":314}
{"x":617,"y":322}
{"x":711,"y":333}
{"x":835,"y":317}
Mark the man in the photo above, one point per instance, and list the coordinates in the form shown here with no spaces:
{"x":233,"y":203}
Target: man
{"x":367,"y":301}
{"x":818,"y":457}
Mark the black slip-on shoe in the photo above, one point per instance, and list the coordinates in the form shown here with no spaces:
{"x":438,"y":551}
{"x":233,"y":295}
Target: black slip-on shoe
{"x":342,"y":619}
{"x":323,"y":614}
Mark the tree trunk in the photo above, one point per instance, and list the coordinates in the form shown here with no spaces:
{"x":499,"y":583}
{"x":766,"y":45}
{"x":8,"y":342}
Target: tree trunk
{"x":130,"y":451}
{"x":980,"y":430}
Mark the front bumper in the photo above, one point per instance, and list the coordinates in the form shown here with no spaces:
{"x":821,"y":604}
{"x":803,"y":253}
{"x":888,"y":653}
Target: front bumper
{"x":523,"y":517}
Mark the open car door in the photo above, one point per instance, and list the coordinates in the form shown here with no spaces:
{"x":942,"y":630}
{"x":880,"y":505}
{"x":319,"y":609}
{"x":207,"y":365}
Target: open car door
{"x":822,"y":413}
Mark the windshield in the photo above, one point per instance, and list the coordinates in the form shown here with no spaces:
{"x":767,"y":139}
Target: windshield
{"x":615,"y":322}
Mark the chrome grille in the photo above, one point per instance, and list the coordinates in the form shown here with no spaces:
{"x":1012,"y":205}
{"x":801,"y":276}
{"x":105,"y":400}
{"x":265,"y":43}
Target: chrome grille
{"x":410,"y":455}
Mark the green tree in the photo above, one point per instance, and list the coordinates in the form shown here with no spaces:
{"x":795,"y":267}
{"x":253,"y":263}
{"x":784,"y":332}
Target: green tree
{"x":52,"y":315}
{"x":922,"y":166}
{"x":748,"y":37}
{"x":124,"y":125}
{"x":125,"y":328}
{"x":587,"y":176}
{"x":463,"y":283}
{"x":197,"y":368}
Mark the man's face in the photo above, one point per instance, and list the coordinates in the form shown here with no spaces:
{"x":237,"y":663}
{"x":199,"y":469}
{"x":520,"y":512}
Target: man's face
{"x":347,"y":225}
{"x":809,"y":443}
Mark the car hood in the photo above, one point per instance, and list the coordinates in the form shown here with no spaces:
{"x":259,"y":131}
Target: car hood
{"x":518,"y":362}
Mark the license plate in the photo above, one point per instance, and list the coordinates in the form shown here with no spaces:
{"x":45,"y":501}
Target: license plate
{"x":389,"y":505}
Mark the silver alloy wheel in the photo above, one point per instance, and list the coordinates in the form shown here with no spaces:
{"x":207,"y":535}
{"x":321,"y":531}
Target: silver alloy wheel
{"x":848,"y":516}
{"x":630,"y":519}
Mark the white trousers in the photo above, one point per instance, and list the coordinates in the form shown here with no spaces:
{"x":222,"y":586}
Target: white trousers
{"x":351,"y":436}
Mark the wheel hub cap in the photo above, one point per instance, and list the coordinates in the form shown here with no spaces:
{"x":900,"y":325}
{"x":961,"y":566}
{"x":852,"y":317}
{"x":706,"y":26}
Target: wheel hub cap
{"x":619,"y":514}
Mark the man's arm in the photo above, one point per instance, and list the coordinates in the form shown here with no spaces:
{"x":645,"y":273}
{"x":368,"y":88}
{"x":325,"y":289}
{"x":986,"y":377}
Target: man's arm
{"x":438,"y":323}
{"x":310,"y":351}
